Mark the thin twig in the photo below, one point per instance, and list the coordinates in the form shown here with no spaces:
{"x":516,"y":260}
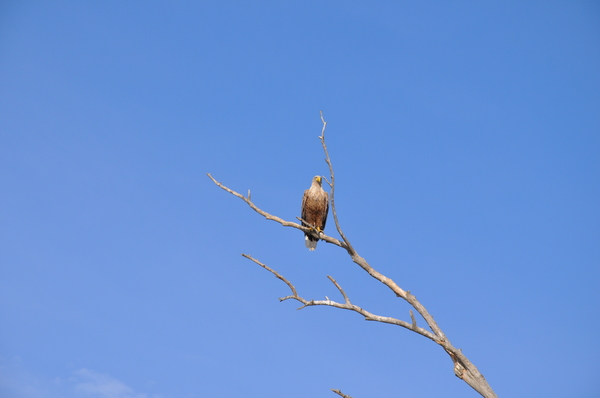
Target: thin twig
{"x":341,"y":394}
{"x":340,"y":289}
{"x":412,"y":317}
{"x":273,"y":272}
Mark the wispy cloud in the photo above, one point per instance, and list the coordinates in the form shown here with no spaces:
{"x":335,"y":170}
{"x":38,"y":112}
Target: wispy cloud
{"x":98,"y":385}
{"x":16,"y":381}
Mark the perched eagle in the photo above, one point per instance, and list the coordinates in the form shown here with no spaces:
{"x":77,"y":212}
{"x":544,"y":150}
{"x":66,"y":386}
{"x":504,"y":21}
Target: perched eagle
{"x":315,"y":205}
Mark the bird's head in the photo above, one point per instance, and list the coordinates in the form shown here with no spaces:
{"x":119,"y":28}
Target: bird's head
{"x":318,"y":180}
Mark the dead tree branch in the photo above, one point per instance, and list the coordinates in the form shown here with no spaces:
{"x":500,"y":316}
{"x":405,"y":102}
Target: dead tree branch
{"x":271,"y":217}
{"x":341,"y":394}
{"x":348,"y":246}
{"x":347,"y":305}
{"x":463,"y":368}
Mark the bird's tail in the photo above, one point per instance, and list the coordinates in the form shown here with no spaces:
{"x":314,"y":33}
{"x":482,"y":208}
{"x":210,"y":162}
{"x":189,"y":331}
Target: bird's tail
{"x":311,"y":244}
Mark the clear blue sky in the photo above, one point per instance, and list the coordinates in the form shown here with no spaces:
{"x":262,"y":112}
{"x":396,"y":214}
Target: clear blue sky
{"x":466,"y":142}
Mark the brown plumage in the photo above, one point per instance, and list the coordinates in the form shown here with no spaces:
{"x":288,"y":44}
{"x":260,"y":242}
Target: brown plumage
{"x":315,"y":205}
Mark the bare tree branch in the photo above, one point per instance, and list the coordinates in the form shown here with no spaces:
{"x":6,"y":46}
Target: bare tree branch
{"x":341,"y":394}
{"x":273,"y":272}
{"x":346,"y":299}
{"x":347,"y":305}
{"x":463,"y":368}
{"x":332,"y":185}
{"x":268,"y":216}
{"x":412,"y":317}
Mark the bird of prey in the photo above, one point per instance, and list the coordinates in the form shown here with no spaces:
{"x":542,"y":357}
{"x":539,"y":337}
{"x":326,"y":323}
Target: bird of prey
{"x":315,"y":205}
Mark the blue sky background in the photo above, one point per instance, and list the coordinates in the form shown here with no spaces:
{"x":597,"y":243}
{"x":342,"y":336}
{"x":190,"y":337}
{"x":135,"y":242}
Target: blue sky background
{"x":466,"y":142}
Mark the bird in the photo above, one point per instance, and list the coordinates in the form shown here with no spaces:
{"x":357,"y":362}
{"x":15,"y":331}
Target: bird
{"x":315,"y":205}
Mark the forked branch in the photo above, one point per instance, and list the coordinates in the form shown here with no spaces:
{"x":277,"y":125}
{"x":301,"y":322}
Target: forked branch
{"x":463,"y":368}
{"x":346,"y":305}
